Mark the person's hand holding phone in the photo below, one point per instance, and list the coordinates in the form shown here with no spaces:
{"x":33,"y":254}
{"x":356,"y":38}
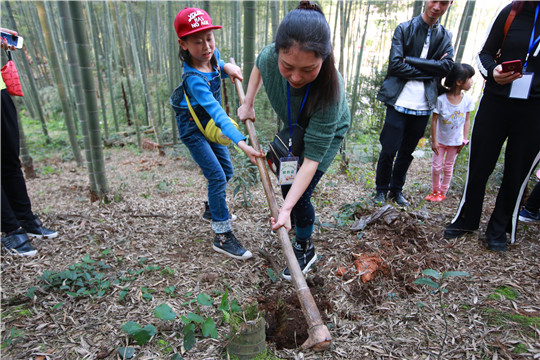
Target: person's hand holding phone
{"x":502,"y":77}
{"x":4,"y":42}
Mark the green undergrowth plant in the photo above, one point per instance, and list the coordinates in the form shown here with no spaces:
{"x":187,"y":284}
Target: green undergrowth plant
{"x":349,"y":212}
{"x":504,"y":292}
{"x":81,"y":279}
{"x":501,"y":318}
{"x":436,"y":281}
{"x":13,"y":336}
{"x":195,"y":323}
{"x":95,"y":278}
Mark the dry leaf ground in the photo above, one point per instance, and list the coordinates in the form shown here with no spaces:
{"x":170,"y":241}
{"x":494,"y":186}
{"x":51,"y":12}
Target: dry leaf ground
{"x":152,"y":236}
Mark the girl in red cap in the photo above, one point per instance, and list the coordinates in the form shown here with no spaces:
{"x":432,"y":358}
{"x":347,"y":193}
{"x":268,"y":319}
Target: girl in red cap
{"x":202,"y":73}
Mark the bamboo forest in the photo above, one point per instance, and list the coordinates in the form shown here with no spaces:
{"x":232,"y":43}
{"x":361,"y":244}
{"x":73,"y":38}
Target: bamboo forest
{"x":130,"y":264}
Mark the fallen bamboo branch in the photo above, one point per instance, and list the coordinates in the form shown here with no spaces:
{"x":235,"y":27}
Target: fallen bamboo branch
{"x":319,"y":337}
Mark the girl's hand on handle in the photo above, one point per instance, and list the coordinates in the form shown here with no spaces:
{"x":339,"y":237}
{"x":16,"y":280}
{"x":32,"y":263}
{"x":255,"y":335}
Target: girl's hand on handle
{"x":435,"y":147}
{"x":246,"y":112}
{"x":250,"y":151}
{"x":503,"y":78}
{"x":284,"y":219}
{"x":233,"y":71}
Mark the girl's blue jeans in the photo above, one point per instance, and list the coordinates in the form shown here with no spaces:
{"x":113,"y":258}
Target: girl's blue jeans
{"x":216,"y":165}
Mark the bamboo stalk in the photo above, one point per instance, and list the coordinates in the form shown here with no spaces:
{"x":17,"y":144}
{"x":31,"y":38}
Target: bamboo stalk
{"x":319,"y":337}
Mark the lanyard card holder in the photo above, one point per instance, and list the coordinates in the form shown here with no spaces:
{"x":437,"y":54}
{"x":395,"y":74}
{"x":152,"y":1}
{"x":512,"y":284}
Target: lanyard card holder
{"x":287,"y":170}
{"x":522,"y":87}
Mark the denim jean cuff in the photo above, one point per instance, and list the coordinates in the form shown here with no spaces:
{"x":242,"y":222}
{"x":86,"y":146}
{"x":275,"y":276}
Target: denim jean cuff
{"x":221,"y":227}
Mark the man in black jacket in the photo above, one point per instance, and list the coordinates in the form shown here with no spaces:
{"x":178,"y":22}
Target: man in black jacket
{"x":420,"y":55}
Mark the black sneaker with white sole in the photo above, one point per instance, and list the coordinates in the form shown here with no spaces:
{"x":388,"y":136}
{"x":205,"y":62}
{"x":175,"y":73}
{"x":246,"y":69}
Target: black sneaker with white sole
{"x":18,"y":243}
{"x":35,"y":229}
{"x":306,"y":257}
{"x":207,"y":215}
{"x":228,"y":244}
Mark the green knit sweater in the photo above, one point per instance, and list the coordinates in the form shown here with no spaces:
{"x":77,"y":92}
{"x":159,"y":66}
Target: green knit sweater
{"x":326,"y":129}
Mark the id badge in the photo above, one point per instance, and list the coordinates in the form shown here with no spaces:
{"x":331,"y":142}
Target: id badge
{"x":521,"y":87}
{"x":287,"y":170}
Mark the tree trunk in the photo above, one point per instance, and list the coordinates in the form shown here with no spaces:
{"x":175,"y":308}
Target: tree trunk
{"x":108,"y":38}
{"x":87,"y":76}
{"x":417,"y":7}
{"x":125,"y":70}
{"x":142,"y":76}
{"x":73,"y":61}
{"x":464,"y":27}
{"x":359,"y":66}
{"x":249,"y":39}
{"x":94,"y":33}
{"x":60,"y":86}
{"x":274,"y":10}
{"x":172,"y":68}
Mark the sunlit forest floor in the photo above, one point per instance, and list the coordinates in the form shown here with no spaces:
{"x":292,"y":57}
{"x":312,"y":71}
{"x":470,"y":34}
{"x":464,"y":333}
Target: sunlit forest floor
{"x":149,"y":246}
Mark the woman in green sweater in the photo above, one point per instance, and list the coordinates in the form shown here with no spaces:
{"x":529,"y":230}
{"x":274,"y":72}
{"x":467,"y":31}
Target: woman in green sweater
{"x":299,"y":76}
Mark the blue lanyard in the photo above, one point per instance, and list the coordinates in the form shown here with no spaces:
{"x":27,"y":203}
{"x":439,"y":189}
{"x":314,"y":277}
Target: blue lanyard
{"x":533,"y":41}
{"x":291,"y":128}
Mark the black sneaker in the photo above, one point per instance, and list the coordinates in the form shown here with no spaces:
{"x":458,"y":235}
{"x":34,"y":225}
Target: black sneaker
{"x":35,"y":229}
{"x":454,"y":231}
{"x":18,"y":243}
{"x":398,"y":198}
{"x":380,"y":198}
{"x":207,"y":215}
{"x":306,"y":258}
{"x":227,"y":244}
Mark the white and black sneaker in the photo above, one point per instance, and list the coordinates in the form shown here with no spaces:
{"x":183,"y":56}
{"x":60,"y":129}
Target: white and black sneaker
{"x":18,"y":243}
{"x":207,"y":215}
{"x":35,"y":229}
{"x":306,"y":256}
{"x":226,"y":243}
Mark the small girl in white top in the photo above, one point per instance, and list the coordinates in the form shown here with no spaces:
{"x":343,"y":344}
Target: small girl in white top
{"x":450,"y":126}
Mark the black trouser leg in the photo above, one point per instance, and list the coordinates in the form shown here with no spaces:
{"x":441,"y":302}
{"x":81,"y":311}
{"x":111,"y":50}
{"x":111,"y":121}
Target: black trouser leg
{"x":487,"y":139}
{"x":521,"y":156}
{"x":400,"y":136}
{"x":15,"y":201}
{"x":414,"y":130}
{"x":497,"y":120}
{"x":533,"y":202}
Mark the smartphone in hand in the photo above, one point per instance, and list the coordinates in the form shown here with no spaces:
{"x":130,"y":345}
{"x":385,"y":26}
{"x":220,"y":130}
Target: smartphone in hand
{"x":513,"y":65}
{"x":12,"y":40}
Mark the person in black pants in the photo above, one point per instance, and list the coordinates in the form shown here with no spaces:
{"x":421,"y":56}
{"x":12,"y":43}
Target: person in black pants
{"x":420,"y":55}
{"x":504,"y":115}
{"x":18,"y":221}
{"x":531,"y":211}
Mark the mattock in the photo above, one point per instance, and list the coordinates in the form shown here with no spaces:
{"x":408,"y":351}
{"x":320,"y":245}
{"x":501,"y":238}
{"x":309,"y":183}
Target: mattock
{"x":319,"y":337}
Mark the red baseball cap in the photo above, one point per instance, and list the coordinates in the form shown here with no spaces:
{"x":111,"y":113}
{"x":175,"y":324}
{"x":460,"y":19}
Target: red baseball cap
{"x":192,"y":20}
